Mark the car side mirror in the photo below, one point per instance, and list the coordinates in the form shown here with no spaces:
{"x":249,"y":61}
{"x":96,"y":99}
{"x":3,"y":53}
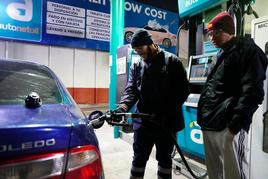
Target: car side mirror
{"x":94,"y":119}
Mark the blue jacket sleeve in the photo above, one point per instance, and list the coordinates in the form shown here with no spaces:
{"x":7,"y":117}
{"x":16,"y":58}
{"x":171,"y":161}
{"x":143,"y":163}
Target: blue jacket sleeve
{"x":130,"y":94}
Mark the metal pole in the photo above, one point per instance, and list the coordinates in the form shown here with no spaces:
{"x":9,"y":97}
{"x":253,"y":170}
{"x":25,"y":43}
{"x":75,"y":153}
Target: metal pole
{"x":116,"y":40}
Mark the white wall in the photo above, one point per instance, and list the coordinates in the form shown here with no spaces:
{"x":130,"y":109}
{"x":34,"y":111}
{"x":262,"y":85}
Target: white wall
{"x":85,"y":68}
{"x":2,"y":49}
{"x":102,"y":72}
{"x":62,"y":63}
{"x":77,"y":68}
{"x":29,"y":52}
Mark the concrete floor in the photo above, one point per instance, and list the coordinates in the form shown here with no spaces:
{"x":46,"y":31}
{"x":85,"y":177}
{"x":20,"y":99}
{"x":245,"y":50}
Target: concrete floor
{"x":117,"y":156}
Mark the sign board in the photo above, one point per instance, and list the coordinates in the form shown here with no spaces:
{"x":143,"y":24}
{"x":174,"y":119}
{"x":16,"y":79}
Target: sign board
{"x":192,"y":7}
{"x":21,"y":19}
{"x":121,"y":65}
{"x":162,"y":24}
{"x":78,"y":24}
{"x":82,"y":24}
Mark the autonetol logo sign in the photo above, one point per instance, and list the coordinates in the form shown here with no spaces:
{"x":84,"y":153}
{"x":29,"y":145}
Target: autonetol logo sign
{"x":21,"y":19}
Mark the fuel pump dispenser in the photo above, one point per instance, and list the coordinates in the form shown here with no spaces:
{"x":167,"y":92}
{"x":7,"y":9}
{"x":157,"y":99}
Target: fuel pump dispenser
{"x":259,"y":128}
{"x":190,"y":139}
{"x":125,"y":57}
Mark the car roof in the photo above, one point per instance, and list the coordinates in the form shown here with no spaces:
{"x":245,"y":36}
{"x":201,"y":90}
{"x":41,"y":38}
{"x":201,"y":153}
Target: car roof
{"x":162,"y":29}
{"x":20,"y":64}
{"x":16,"y":65}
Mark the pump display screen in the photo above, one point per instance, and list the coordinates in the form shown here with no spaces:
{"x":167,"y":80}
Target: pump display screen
{"x":200,"y":66}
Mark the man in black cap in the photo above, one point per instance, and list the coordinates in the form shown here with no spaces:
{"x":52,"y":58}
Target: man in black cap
{"x":159,"y":86}
{"x":232,"y":93}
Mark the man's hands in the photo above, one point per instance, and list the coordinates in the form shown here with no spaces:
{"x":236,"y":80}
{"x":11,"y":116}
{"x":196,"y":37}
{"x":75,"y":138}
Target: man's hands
{"x":118,"y":110}
{"x":122,"y":108}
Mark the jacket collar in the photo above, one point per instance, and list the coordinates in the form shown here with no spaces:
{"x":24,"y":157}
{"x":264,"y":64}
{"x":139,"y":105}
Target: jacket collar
{"x":230,"y":45}
{"x":151,"y":59}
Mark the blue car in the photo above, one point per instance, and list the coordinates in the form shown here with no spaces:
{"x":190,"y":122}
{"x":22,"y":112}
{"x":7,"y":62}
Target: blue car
{"x":43,"y":134}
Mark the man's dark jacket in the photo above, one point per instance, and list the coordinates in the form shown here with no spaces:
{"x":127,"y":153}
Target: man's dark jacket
{"x":160,"y":87}
{"x":234,"y":87}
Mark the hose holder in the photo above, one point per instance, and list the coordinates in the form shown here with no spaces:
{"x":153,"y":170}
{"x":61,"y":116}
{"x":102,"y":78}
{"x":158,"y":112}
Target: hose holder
{"x":265,"y":132}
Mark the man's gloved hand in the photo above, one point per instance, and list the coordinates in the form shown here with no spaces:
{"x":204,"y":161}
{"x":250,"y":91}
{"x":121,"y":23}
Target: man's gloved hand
{"x":120,"y":109}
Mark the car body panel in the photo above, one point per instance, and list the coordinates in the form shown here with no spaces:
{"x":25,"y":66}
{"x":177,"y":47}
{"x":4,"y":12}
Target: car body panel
{"x":35,"y":140}
{"x":18,"y":116}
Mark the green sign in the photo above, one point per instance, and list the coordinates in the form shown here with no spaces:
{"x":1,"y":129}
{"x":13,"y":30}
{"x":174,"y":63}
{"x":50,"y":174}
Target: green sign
{"x":192,"y":7}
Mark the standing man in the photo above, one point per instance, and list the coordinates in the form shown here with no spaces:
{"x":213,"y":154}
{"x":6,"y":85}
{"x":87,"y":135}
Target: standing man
{"x":232,"y":93}
{"x":159,"y":86}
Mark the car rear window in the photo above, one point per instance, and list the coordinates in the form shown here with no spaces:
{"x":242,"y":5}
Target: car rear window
{"x":17,"y":83}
